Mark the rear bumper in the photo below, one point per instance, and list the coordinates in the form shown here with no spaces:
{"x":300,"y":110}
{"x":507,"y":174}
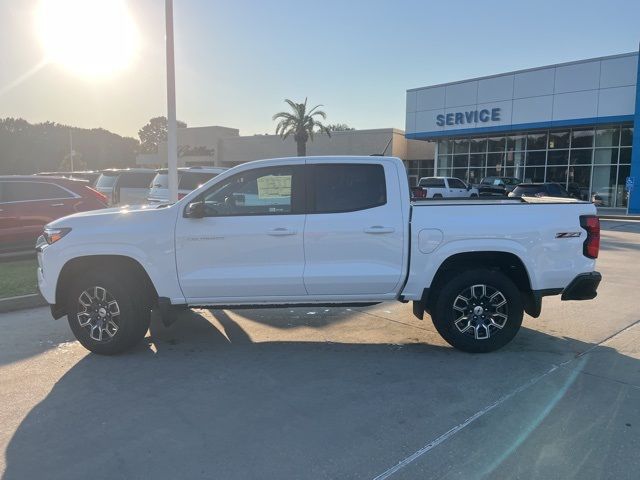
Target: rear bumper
{"x":583,"y":287}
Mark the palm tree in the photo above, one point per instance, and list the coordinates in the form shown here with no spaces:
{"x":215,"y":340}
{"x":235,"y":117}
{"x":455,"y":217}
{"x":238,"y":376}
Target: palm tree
{"x":301,"y":124}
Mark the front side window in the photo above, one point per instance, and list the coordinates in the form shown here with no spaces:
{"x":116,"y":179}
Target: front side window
{"x":262,"y":191}
{"x":32,"y":191}
{"x":107,"y":180}
{"x":347,"y":187}
{"x":456,"y":183}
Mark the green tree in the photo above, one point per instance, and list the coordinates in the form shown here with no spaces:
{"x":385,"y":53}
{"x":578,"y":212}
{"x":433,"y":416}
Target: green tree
{"x":339,"y":127}
{"x":153,"y":133}
{"x":301,"y":123}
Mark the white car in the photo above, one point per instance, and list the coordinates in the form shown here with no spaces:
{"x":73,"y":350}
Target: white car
{"x":445,"y":187}
{"x":321,"y":231}
{"x":189,"y":179}
{"x":128,"y":186}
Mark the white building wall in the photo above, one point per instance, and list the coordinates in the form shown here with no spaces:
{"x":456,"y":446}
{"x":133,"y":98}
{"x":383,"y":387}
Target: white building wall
{"x":589,"y":89}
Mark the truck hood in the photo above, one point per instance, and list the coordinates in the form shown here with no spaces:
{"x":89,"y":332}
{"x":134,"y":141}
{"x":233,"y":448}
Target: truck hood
{"x":110,"y":215}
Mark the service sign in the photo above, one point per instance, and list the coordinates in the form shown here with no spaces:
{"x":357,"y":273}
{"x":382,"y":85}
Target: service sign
{"x":469,"y":117}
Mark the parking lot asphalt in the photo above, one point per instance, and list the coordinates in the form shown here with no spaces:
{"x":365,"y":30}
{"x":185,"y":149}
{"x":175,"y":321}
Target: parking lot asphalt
{"x":333,"y":393}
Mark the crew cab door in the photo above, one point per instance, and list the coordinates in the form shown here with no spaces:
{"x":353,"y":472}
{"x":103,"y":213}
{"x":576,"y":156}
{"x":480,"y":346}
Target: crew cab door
{"x":354,"y":233}
{"x":249,"y":244}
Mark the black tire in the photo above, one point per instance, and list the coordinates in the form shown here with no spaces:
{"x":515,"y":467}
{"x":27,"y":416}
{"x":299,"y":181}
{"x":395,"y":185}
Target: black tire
{"x":450,"y":302}
{"x":437,"y":195}
{"x":474,"y":195}
{"x":133,"y":316}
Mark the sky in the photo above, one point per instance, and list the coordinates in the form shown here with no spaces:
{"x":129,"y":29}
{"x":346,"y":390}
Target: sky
{"x":237,"y":60}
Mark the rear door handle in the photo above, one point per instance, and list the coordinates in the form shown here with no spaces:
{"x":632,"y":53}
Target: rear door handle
{"x":379,"y":229}
{"x":57,"y":205}
{"x":281,"y":231}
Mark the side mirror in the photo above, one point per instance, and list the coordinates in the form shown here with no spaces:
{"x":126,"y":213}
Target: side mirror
{"x":194,"y":210}
{"x":468,"y":187}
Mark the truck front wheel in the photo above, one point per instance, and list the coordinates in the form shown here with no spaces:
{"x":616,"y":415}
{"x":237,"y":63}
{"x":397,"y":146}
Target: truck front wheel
{"x":107,"y":312}
{"x":478,"y":311}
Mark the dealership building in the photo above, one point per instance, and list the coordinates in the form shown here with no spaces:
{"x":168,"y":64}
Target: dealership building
{"x":570,"y":123}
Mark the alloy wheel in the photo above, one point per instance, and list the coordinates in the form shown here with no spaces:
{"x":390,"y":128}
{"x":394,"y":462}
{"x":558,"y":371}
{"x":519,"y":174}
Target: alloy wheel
{"x":480,"y":311}
{"x":99,"y":313}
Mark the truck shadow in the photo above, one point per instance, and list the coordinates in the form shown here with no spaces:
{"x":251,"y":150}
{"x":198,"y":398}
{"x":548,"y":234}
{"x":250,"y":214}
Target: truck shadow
{"x":208,"y":402}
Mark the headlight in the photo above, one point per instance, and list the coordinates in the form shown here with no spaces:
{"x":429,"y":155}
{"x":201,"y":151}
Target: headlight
{"x":52,"y":235}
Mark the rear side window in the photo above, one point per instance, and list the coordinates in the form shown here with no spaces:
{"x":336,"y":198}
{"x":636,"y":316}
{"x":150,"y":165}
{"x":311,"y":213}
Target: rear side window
{"x":25,"y":191}
{"x":193,"y":180}
{"x":106,"y":180}
{"x":161,"y":180}
{"x":346,"y":188}
{"x":135,"y":179}
{"x":432,"y":182}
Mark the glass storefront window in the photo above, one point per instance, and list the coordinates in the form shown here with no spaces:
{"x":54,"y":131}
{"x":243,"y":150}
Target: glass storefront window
{"x":559,"y":139}
{"x":478,"y":145}
{"x":558,"y":157}
{"x":537,"y":141}
{"x":603,"y":185}
{"x":582,"y":138}
{"x":444,"y":147}
{"x":516,"y":142}
{"x":581,"y":157}
{"x":622,"y":196}
{"x":495,"y":161}
{"x":496,"y":144}
{"x":460,"y":161}
{"x":478,"y":160}
{"x":534,"y":174}
{"x":460,"y":173}
{"x":536,"y":158}
{"x":444,"y":171}
{"x":607,"y":137}
{"x":586,"y":160}
{"x":626,"y":136}
{"x":625,"y":155}
{"x":557,"y":174}
{"x":445,"y":161}
{"x":578,"y":180}
{"x":606,"y":156}
{"x":461,"y":146}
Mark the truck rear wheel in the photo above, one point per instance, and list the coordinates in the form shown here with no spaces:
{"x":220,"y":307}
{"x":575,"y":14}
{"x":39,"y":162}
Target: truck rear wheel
{"x":478,"y":311}
{"x":107,"y":312}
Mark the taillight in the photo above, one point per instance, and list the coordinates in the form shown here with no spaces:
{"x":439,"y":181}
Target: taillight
{"x":591,"y":245}
{"x":97,"y":195}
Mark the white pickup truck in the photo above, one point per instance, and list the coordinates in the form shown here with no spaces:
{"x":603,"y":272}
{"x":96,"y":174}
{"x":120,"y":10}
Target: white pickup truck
{"x":444,"y":187}
{"x":318,"y":231}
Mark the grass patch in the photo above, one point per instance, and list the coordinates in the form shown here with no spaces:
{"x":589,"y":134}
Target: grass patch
{"x":18,"y":278}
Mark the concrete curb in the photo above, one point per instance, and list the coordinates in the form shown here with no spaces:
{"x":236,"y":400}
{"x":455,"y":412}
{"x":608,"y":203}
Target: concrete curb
{"x":22,"y":302}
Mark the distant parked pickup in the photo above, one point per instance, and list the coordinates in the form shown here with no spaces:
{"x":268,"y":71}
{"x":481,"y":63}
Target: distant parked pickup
{"x":318,"y":231}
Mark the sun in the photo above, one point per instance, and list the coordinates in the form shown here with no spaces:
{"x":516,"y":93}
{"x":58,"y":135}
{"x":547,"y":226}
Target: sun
{"x":93,"y":38}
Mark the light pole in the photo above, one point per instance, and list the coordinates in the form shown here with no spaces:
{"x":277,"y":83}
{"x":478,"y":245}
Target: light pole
{"x":172,"y":140}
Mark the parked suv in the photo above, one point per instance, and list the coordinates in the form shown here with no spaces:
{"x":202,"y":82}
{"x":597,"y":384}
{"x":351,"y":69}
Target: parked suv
{"x":188,"y":180}
{"x":125,"y":187}
{"x":28,"y":203}
{"x":443,"y":187}
{"x":498,"y":185}
{"x":548,"y":189}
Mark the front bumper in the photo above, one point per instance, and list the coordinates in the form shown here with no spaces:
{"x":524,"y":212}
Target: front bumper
{"x":583,"y":287}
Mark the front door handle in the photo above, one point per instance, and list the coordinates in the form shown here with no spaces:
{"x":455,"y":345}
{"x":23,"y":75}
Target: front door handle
{"x":379,"y":229}
{"x":281,"y":231}
{"x":57,"y":205}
